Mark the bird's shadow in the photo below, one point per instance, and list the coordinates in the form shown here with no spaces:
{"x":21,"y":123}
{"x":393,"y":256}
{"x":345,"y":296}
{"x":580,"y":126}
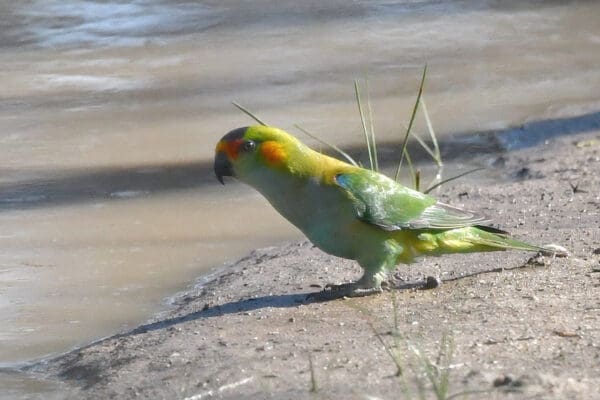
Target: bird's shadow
{"x":247,"y":305}
{"x":234,"y":307}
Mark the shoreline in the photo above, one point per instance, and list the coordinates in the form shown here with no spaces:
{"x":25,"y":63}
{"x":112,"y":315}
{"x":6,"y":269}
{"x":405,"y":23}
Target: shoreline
{"x":519,"y":329}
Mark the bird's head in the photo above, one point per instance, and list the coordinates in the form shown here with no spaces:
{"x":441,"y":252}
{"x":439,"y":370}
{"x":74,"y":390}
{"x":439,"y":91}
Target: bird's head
{"x":248,"y":150}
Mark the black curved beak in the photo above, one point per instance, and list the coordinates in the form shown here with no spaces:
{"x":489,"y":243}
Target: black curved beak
{"x":222,"y":166}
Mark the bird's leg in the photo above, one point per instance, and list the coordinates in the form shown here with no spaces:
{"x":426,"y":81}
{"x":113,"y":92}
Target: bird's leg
{"x":370,"y":283}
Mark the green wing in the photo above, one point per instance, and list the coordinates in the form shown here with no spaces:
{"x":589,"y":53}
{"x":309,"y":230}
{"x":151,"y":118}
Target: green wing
{"x":381,"y":201}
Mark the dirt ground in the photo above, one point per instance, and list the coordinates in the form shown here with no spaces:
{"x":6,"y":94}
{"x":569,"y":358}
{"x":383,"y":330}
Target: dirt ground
{"x":502,"y":325}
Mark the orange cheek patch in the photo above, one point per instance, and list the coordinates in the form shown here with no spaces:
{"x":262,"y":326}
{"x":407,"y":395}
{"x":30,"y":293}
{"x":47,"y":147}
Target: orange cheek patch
{"x":229,"y":148}
{"x":273,"y":152}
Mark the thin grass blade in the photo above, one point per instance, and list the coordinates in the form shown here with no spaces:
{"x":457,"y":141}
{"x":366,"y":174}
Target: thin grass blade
{"x":410,"y":124}
{"x":471,"y":392}
{"x":313,"y":379}
{"x":364,"y":124}
{"x":249,"y":113}
{"x":424,"y":145}
{"x":438,"y":176}
{"x":333,"y":146}
{"x":436,"y":147}
{"x":452,"y":178}
{"x":371,"y":126}
{"x":411,"y":169}
{"x":418,"y":180}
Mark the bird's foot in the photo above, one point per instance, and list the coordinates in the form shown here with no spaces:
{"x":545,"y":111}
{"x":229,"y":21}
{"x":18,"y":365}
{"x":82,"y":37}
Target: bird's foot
{"x":352,"y":289}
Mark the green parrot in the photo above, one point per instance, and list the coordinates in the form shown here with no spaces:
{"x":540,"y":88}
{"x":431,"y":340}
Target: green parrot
{"x":352,"y":212}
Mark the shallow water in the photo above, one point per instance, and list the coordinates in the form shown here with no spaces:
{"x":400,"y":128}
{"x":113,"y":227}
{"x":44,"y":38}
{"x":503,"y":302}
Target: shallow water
{"x":109,"y":113}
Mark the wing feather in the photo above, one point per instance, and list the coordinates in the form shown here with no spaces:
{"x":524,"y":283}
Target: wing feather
{"x":381,"y":201}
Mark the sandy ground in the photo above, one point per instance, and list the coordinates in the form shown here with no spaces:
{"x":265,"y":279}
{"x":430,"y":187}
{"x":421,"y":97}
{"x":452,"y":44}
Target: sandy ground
{"x":519,"y":328}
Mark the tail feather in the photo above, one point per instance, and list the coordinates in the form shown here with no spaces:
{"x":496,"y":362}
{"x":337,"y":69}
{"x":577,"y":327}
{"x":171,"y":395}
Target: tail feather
{"x":491,"y":229}
{"x":502,"y":241}
{"x":505,"y":241}
{"x":555,"y":250}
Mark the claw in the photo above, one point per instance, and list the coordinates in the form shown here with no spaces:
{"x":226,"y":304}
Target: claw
{"x":341,"y":286}
{"x":353,"y":289}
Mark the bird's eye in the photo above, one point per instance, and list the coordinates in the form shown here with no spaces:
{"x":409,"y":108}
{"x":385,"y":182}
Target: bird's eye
{"x":248,"y":146}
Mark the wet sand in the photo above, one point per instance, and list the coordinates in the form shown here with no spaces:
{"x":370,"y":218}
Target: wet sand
{"x":521,"y":327}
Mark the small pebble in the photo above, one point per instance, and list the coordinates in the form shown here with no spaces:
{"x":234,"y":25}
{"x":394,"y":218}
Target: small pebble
{"x":266,"y":347}
{"x":507,"y":380}
{"x":565,"y":333}
{"x":537,"y":261}
{"x":432,"y":282}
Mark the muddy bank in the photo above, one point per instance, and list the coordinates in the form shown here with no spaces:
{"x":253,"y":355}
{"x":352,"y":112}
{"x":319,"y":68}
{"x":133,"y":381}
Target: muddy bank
{"x":520,"y":328}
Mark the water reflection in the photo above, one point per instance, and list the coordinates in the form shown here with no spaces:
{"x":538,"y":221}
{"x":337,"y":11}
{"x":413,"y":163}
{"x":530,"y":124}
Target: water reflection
{"x":102,"y":23}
